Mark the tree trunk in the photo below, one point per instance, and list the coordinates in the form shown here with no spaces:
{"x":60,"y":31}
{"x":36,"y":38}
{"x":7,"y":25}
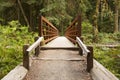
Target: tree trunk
{"x":116,"y":16}
{"x":21,"y":8}
{"x":119,"y":16}
{"x":95,"y":25}
{"x":31,"y":24}
{"x":18,"y":12}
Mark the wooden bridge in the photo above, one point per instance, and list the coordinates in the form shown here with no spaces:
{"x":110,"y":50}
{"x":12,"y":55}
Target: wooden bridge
{"x":57,"y":57}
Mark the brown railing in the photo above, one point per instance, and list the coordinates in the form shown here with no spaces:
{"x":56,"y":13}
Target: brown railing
{"x":74,"y":29}
{"x":83,"y":49}
{"x":27,"y":50}
{"x":47,"y":30}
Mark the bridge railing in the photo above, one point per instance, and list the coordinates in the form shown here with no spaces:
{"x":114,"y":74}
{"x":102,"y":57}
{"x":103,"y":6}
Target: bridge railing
{"x":83,"y":49}
{"x":27,"y":50}
{"x":47,"y":30}
{"x":74,"y":29}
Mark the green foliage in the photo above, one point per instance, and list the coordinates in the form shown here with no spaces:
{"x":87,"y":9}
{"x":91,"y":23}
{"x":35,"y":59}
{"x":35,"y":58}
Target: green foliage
{"x":116,"y":36}
{"x":110,"y":58}
{"x":12,"y":38}
{"x":107,"y":38}
{"x":106,"y":22}
{"x":103,"y":38}
{"x":87,"y":32}
{"x":87,"y":27}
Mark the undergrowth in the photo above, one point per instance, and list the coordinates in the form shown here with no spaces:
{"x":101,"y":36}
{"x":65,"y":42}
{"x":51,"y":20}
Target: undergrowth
{"x":103,"y":38}
{"x":12,"y":38}
{"x":110,"y":58}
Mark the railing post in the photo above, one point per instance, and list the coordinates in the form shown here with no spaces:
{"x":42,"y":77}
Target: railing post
{"x":40,"y":25}
{"x":79,"y":26}
{"x":80,"y":50}
{"x":37,"y":49}
{"x":90,"y":59}
{"x":26,"y":57}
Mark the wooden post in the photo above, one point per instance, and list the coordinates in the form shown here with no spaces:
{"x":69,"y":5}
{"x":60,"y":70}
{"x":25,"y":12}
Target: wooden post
{"x":79,"y":26}
{"x":37,"y":49}
{"x":40,"y":25}
{"x":80,"y":50}
{"x":25,"y":57}
{"x":90,"y":59}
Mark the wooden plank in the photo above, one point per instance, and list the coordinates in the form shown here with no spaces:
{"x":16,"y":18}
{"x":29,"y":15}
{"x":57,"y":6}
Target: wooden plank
{"x":18,"y":73}
{"x":99,"y":72}
{"x":65,"y":48}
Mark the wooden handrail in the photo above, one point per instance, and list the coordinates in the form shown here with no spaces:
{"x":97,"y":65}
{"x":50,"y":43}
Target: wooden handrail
{"x":72,"y":23}
{"x":87,"y":51}
{"x":34,"y":45}
{"x":45,"y":20}
{"x":27,"y":50}
{"x":82,"y":45}
{"x":71,"y":39}
{"x":47,"y":30}
{"x":74,"y":29}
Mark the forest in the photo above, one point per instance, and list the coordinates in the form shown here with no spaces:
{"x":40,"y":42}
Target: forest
{"x":19,"y":21}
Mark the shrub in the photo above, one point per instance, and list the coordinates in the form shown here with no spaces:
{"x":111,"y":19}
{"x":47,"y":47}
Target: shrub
{"x":12,"y":39}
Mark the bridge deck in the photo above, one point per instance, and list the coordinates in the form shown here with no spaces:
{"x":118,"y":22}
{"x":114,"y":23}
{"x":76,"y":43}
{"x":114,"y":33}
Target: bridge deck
{"x":60,"y":42}
{"x":58,"y":64}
